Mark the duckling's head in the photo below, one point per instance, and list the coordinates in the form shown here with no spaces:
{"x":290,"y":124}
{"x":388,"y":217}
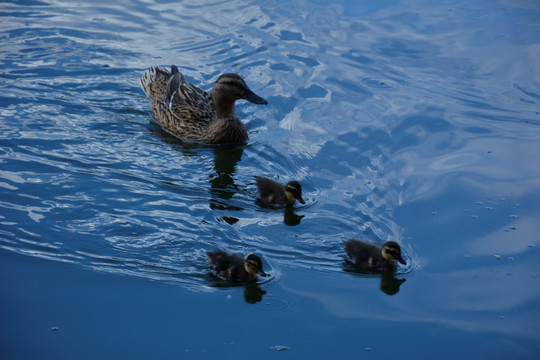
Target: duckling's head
{"x":293,"y":191}
{"x":231,"y":87}
{"x":253,"y":265}
{"x":392,"y":251}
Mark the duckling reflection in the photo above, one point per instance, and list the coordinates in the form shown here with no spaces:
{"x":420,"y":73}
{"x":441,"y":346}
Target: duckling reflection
{"x":232,"y":267}
{"x":290,"y":218}
{"x":390,"y":285}
{"x":274,"y":193}
{"x":253,"y":293}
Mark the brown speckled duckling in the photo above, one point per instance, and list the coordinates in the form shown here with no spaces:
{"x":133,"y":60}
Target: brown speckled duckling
{"x":192,"y":114}
{"x":272,"y":192}
{"x":232,"y":267}
{"x":371,"y":257}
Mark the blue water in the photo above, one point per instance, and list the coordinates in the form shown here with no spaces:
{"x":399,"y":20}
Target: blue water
{"x":415,"y":121}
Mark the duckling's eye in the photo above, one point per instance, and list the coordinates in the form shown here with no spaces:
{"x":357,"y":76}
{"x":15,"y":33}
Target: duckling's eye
{"x":392,"y":252}
{"x":292,"y":190}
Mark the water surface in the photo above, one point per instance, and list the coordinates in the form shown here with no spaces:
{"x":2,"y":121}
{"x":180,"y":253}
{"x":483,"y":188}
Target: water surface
{"x":410,"y":121}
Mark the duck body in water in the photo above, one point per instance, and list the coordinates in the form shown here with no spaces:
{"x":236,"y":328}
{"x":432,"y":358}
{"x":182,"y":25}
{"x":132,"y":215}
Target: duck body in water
{"x":193,"y":115}
{"x":367,"y":256}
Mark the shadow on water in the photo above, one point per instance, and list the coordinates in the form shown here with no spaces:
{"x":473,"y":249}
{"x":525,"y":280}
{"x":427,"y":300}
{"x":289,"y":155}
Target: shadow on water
{"x":390,"y":284}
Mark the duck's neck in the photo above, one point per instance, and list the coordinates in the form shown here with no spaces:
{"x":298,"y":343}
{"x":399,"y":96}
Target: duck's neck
{"x":224,"y":107}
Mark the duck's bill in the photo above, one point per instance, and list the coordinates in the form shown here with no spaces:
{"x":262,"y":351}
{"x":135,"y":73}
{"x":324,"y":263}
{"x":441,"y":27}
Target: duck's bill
{"x":400,"y":259}
{"x":300,"y":200}
{"x":262,"y":273}
{"x":254,"y":98}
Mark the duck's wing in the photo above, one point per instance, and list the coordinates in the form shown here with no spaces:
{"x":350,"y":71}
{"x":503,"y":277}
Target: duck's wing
{"x":154,"y":83}
{"x":188,"y":102}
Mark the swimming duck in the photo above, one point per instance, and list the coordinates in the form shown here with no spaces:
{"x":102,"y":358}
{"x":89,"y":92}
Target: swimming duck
{"x":192,"y":114}
{"x":371,"y":257}
{"x":272,"y":192}
{"x":233,"y":267}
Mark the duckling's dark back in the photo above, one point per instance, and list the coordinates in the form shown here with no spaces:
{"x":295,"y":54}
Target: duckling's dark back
{"x":227,"y":266}
{"x":271,"y":191}
{"x":367,"y":256}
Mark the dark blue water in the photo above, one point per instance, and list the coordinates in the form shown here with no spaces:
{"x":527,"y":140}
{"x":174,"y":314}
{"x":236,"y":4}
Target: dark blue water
{"x":414,"y":121}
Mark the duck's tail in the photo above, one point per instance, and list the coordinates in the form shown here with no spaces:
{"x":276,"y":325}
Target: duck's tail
{"x":154,"y":83}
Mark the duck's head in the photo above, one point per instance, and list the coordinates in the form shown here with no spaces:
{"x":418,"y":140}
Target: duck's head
{"x":228,"y":89}
{"x":293,"y":191}
{"x":392,"y":251}
{"x":253,"y":265}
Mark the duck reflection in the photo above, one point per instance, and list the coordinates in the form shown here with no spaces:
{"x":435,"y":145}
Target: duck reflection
{"x":222,"y":181}
{"x":390,"y":285}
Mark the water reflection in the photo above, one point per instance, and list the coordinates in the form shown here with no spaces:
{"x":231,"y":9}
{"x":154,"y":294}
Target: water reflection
{"x":225,"y":162}
{"x":253,"y":293}
{"x":291,"y":218}
{"x":222,"y":181}
{"x":390,"y":285}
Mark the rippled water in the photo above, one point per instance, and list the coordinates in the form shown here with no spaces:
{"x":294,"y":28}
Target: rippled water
{"x":411,"y":121}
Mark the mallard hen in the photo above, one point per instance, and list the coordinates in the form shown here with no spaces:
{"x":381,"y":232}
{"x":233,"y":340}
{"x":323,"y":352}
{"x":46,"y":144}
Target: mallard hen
{"x":192,"y":114}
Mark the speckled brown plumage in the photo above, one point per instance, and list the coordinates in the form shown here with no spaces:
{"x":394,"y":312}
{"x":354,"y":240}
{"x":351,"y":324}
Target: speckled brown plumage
{"x":192,"y":114}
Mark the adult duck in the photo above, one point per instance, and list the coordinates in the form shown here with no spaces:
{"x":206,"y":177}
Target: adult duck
{"x":193,"y":115}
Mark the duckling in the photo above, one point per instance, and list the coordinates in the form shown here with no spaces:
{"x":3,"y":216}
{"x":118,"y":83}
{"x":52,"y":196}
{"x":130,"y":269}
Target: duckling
{"x":192,"y":114}
{"x":371,"y":257}
{"x":232,"y":267}
{"x":272,"y":192}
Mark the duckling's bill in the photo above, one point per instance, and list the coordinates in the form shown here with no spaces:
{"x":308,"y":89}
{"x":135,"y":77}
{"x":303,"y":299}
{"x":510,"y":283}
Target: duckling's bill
{"x":262,"y":273}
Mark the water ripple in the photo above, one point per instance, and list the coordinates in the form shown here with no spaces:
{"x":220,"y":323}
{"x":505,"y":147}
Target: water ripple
{"x":366,"y":118}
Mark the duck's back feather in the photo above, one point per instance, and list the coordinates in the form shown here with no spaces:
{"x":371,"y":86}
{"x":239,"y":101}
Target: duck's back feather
{"x":154,"y":83}
{"x":189,"y":101}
